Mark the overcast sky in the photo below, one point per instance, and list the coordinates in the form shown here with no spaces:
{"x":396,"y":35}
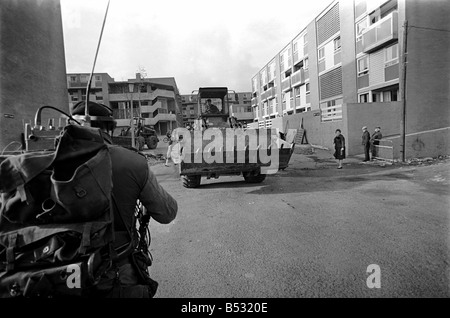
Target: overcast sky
{"x":198,"y":42}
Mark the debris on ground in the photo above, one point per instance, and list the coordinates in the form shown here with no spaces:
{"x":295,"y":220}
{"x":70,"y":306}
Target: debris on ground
{"x":423,"y":161}
{"x":304,"y":149}
{"x":153,"y":159}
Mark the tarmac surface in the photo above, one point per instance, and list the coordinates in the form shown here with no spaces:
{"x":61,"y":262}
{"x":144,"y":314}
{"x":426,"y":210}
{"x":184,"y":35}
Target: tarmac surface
{"x":308,"y":231}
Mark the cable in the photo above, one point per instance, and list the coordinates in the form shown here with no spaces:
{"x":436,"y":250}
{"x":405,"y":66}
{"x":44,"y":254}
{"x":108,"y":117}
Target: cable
{"x":430,"y":29}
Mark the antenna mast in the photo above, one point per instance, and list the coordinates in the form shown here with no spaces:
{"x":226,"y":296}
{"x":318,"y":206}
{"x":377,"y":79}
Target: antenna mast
{"x":88,"y":89}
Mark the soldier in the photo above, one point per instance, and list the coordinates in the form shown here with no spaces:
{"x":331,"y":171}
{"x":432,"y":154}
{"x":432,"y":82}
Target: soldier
{"x":132,"y":181}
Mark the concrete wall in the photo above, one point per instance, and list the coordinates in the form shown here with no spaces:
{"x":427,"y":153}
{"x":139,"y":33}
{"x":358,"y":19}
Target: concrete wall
{"x":32,"y":64}
{"x":318,"y":133}
{"x":428,"y":78}
{"x":313,"y":68}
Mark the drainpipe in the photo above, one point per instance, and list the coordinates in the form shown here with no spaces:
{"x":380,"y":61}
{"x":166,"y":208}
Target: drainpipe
{"x":402,"y":88}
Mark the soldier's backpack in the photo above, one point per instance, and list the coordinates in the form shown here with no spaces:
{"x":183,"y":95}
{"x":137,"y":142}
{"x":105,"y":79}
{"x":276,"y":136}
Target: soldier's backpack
{"x":56,"y":217}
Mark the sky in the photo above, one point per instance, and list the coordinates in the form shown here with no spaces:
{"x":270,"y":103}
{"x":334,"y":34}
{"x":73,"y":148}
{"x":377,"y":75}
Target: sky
{"x":198,"y":42}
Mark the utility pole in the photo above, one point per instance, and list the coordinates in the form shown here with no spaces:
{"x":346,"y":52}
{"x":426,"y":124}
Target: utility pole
{"x":133,"y":140}
{"x":402,"y":89}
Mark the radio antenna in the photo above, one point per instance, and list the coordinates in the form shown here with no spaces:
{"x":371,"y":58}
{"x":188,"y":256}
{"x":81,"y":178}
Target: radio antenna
{"x":88,"y":89}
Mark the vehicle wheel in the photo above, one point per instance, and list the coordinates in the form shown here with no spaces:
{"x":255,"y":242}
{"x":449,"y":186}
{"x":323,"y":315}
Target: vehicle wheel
{"x":140,"y":143}
{"x":191,"y":181}
{"x":254,"y":177}
{"x":152,"y":142}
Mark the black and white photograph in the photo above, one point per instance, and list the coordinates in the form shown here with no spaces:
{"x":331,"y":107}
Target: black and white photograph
{"x":225,"y":156}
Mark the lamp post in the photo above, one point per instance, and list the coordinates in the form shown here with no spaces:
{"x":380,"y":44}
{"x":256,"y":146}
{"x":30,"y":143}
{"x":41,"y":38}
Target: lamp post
{"x":133,"y":141}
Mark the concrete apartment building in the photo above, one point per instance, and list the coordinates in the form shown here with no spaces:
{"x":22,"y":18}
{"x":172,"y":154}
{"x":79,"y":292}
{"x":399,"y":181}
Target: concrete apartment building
{"x":157,"y":100}
{"x":344,"y":70}
{"x":32,"y":66}
{"x":239,"y":103}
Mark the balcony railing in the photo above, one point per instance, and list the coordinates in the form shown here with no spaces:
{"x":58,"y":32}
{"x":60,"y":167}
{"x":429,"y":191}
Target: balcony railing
{"x":298,"y":77}
{"x":380,"y":33}
{"x":271,"y":93}
{"x":264,"y":96}
{"x":286,"y":84}
{"x":331,"y":113}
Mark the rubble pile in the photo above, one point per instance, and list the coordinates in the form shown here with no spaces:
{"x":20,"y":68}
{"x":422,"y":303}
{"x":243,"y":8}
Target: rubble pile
{"x":423,"y":161}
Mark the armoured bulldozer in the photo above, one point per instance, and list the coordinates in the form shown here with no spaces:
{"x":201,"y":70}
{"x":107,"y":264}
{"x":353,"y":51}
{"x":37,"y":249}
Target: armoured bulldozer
{"x":143,"y":135}
{"x":217,"y":145}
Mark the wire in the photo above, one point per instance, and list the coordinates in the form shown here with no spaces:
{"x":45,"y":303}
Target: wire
{"x":430,"y":29}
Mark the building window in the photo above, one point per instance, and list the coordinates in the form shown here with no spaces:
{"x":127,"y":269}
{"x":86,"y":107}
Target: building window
{"x":337,"y":43}
{"x":307,"y":88}
{"x":297,"y":96}
{"x":360,"y":27}
{"x":98,"y":78}
{"x":73,"y":78}
{"x":83,"y":78}
{"x":363,"y":66}
{"x":305,"y":39}
{"x":391,"y":55}
{"x":321,"y":53}
{"x":363,"y":98}
{"x":376,"y":97}
{"x":306,"y":64}
{"x":375,"y":16}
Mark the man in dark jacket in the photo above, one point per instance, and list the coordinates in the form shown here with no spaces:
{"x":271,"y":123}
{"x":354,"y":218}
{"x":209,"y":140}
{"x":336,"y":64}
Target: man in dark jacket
{"x":132,"y":180}
{"x":375,"y":141}
{"x":366,"y":143}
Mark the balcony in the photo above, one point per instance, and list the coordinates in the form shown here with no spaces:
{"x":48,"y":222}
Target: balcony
{"x":271,"y":93}
{"x":298,"y":77}
{"x":254,"y":102}
{"x":264,"y":96}
{"x":121,"y":97}
{"x":286,"y":84}
{"x":380,"y":33}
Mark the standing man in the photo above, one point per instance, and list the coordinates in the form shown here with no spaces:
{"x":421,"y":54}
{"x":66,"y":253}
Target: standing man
{"x":366,"y":143}
{"x":375,"y":141}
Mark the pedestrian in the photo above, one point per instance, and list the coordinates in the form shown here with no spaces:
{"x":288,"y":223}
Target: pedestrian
{"x":366,"y":143}
{"x":375,"y":141}
{"x":132,"y":181}
{"x":169,"y":149}
{"x":339,"y":147}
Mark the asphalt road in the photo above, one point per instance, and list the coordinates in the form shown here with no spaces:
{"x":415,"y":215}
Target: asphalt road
{"x":308,"y":231}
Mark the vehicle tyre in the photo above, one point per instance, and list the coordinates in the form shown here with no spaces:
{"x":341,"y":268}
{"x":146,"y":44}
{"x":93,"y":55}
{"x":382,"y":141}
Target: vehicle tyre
{"x":254,"y":177}
{"x":191,"y":181}
{"x":152,"y":142}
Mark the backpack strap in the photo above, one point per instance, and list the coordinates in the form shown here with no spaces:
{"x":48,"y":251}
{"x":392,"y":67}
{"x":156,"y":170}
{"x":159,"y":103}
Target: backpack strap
{"x":132,"y":244}
{"x":10,"y":258}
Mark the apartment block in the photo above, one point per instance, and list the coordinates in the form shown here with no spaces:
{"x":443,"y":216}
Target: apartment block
{"x":344,"y":70}
{"x":77,"y":84}
{"x":157,"y":100}
{"x":239,"y":106}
